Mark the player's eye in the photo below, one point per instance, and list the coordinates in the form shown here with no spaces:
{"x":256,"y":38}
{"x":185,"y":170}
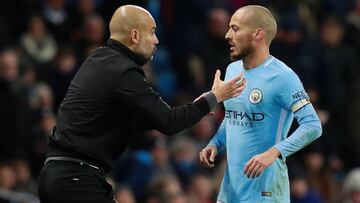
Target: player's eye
{"x":235,"y":28}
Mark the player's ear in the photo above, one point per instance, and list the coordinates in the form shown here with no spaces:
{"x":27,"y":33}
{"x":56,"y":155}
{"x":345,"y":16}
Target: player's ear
{"x":259,"y":33}
{"x":135,"y":36}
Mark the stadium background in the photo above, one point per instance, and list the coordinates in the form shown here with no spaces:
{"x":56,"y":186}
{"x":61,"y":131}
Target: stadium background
{"x":43,"y":42}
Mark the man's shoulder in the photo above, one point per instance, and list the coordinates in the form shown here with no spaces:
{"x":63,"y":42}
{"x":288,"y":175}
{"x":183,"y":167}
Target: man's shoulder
{"x":279,"y":66}
{"x":234,"y":67}
{"x":238,"y":64}
{"x":281,"y":71}
{"x":112,"y":60}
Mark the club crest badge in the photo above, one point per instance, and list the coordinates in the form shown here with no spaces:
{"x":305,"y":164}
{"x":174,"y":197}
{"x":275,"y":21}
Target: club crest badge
{"x":255,"y":96}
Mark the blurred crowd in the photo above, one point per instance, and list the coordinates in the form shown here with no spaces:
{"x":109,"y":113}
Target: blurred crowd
{"x":43,"y":43}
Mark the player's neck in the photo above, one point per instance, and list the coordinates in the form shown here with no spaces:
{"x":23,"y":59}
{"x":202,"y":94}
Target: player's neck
{"x":256,"y":59}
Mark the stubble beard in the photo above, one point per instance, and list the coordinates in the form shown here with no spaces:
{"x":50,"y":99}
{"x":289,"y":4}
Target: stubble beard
{"x":243,"y":54}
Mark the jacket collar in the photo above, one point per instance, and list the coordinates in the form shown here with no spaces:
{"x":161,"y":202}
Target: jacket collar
{"x":137,"y":58}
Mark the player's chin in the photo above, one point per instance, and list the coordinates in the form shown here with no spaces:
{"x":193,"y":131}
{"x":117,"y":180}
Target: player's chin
{"x":234,"y":56}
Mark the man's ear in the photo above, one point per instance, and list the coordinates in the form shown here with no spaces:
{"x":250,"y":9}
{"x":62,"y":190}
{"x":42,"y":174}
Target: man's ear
{"x":135,"y":36}
{"x":259,"y":34}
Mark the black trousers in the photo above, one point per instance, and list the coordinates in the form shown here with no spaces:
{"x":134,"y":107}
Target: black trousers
{"x":70,"y":182}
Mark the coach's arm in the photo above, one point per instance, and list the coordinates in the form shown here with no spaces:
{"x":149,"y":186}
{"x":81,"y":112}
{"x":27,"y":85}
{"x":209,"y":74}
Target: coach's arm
{"x":136,"y":93}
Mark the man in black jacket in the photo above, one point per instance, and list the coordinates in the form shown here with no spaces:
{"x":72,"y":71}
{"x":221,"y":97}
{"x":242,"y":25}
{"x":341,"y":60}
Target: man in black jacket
{"x":107,"y":100}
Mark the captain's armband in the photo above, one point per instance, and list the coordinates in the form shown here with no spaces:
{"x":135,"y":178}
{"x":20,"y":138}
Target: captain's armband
{"x":299,"y":104}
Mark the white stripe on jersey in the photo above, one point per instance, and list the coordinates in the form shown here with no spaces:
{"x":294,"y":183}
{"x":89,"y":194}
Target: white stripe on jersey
{"x":280,"y":125}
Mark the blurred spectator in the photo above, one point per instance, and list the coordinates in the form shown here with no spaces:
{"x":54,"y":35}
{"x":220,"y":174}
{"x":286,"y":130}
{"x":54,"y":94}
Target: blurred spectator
{"x":11,"y":178}
{"x":353,"y":20}
{"x":289,"y":36}
{"x":301,"y":193}
{"x":352,"y":186}
{"x":42,"y":97}
{"x":184,"y":159}
{"x":135,"y":169}
{"x":38,"y":46}
{"x":64,"y":69}
{"x":215,"y":52}
{"x":203,"y":131}
{"x":78,"y":13}
{"x":37,"y":139}
{"x":124,"y":195}
{"x":317,"y":174}
{"x":57,"y":19}
{"x":336,"y":172}
{"x":7,"y":177}
{"x":24,"y":181}
{"x":314,"y":163}
{"x":186,"y":39}
{"x":200,"y":189}
{"x":353,"y":26}
{"x":160,"y":154}
{"x":93,"y":36}
{"x":163,"y":74}
{"x":9,"y":65}
{"x":220,"y":166}
{"x":338,"y":61}
{"x":340,"y":64}
{"x":14,"y":109}
{"x":165,"y":189}
{"x":340,"y":8}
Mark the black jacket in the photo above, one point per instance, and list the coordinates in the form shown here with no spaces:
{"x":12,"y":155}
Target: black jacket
{"x":108,"y":99}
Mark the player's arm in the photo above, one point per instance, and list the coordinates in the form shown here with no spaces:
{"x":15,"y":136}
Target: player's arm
{"x":290,"y":94}
{"x":294,"y":99}
{"x":216,"y":144}
{"x":219,"y":139}
{"x":309,"y":130}
{"x":135,"y":93}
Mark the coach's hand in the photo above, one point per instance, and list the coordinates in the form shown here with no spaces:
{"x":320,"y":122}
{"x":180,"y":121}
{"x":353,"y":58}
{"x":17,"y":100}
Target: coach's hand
{"x":259,"y":163}
{"x":207,"y":156}
{"x":225,"y":90}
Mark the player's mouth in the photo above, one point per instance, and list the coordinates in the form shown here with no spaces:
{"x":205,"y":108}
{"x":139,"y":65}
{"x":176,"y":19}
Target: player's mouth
{"x":232,"y":47}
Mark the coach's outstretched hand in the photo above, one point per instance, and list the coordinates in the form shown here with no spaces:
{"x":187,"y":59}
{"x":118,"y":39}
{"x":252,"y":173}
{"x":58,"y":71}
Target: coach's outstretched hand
{"x":207,"y":156}
{"x":226,"y":90}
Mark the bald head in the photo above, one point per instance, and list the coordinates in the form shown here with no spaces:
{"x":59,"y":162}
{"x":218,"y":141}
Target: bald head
{"x":126,"y":18}
{"x":135,"y":28}
{"x":259,"y":17}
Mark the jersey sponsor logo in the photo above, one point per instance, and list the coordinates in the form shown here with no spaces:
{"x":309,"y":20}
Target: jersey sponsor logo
{"x":243,"y":119}
{"x":242,"y":123}
{"x":300,"y":95}
{"x":254,"y":116}
{"x":255,"y":96}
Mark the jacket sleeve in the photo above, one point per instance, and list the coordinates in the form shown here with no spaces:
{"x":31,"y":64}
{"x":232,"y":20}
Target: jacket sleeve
{"x":135,"y":92}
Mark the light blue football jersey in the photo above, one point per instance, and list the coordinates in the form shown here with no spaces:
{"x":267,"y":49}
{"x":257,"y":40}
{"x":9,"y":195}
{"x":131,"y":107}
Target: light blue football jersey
{"x":257,"y":120}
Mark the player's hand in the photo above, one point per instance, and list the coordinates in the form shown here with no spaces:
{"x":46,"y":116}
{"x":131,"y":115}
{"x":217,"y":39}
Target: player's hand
{"x":260,"y":162}
{"x":207,"y":156}
{"x":225,"y":90}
